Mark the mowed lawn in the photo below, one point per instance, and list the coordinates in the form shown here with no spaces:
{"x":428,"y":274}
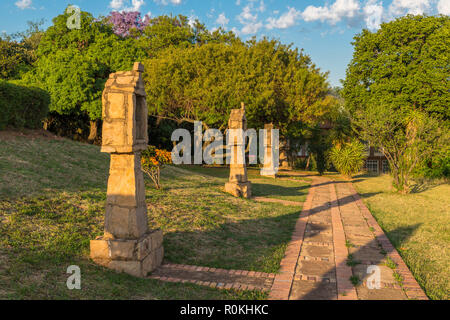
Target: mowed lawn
{"x":286,"y":188}
{"x":52,"y":197}
{"x":418,"y":225}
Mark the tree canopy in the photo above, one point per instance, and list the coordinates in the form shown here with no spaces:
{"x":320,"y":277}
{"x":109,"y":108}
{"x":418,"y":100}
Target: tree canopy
{"x":18,"y":51}
{"x":397,"y":92}
{"x":277,"y":84}
{"x":73,"y":64}
{"x":191,"y":73}
{"x":404,"y":64}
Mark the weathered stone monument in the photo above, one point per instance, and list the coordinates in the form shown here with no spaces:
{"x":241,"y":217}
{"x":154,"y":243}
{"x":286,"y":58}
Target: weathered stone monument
{"x":238,"y":185}
{"x":269,"y":169}
{"x":127,"y":244}
{"x":284,"y":155}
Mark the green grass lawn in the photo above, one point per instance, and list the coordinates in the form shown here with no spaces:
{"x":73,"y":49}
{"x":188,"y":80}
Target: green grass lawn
{"x":418,"y":225}
{"x":52,"y":196}
{"x":261,"y":186}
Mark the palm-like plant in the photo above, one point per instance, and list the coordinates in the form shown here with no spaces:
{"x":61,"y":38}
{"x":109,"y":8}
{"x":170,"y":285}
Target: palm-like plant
{"x":348,"y":158}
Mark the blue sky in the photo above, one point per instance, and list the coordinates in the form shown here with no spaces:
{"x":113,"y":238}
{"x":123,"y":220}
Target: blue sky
{"x":323,"y":28}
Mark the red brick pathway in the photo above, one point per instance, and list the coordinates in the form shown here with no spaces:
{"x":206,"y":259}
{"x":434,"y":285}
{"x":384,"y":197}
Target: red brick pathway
{"x":215,"y":278}
{"x":336,"y":240}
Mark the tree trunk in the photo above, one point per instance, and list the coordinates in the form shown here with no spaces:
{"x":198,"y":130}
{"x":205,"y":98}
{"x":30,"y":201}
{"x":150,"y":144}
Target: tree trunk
{"x":159,"y":178}
{"x":93,"y":131}
{"x":400,"y":183}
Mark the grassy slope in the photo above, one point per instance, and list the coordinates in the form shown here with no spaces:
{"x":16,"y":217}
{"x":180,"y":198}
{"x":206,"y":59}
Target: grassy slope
{"x":52,"y":194}
{"x":422,"y":229}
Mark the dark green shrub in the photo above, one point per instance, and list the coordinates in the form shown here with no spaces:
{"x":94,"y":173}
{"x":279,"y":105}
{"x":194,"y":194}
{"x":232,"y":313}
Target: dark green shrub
{"x":435,"y":167}
{"x":74,"y":126}
{"x":300,"y":163}
{"x":318,"y":148}
{"x":22,"y":106}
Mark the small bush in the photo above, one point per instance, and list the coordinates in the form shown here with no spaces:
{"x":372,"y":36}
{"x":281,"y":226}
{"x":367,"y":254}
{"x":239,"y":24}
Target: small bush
{"x":152,"y":161}
{"x":22,"y":106}
{"x":348,"y":159}
{"x":435,"y":167}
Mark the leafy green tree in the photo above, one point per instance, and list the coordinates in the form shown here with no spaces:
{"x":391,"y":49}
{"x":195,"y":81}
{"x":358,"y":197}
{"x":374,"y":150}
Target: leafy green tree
{"x":18,"y":51}
{"x":318,"y":146}
{"x":397,"y":91}
{"x":12,"y":55}
{"x":278,"y":85}
{"x":405,"y":64}
{"x":164,"y":31}
{"x":405,"y":138}
{"x":73,"y":65}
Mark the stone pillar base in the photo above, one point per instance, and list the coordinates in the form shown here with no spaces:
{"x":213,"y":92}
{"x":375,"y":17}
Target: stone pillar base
{"x":135,"y":257}
{"x":241,"y":189}
{"x":268,"y":172}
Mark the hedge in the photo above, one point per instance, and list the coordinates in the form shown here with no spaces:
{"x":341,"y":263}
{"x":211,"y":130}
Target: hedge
{"x":22,"y":106}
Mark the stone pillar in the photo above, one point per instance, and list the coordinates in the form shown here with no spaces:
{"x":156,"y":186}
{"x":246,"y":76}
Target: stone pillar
{"x":284,"y":155}
{"x":127,"y":244}
{"x":238,"y":185}
{"x":268,"y":169}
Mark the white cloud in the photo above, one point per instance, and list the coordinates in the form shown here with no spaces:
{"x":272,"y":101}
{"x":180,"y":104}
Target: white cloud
{"x":119,"y":5}
{"x":286,"y":20}
{"x":166,"y":2}
{"x":137,"y":4}
{"x":444,"y":7}
{"x":262,"y":6}
{"x":251,"y":28}
{"x":211,"y":13}
{"x":192,"y":19}
{"x":339,"y":10}
{"x":373,"y":14}
{"x":24,"y":4}
{"x":249,"y":20}
{"x":222,"y":19}
{"x":356,"y":12}
{"x":247,"y":15}
{"x":400,"y":7}
{"x":116,"y":4}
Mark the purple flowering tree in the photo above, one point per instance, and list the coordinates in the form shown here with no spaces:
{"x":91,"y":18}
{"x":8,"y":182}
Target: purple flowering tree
{"x":124,"y":22}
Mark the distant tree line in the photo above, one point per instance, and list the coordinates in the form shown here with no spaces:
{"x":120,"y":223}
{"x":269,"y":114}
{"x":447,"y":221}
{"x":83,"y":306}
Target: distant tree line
{"x":191,"y":72}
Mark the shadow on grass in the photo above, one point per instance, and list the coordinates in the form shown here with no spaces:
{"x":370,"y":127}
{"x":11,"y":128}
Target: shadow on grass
{"x":217,"y":172}
{"x":419,"y":185}
{"x":53,"y":231}
{"x":423,"y":185}
{"x":41,"y":249}
{"x":370,"y":252}
{"x":256,"y":244}
{"x":270,"y":190}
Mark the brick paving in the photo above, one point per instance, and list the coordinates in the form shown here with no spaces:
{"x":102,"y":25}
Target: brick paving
{"x":335,"y":240}
{"x":339,"y":240}
{"x":215,"y":278}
